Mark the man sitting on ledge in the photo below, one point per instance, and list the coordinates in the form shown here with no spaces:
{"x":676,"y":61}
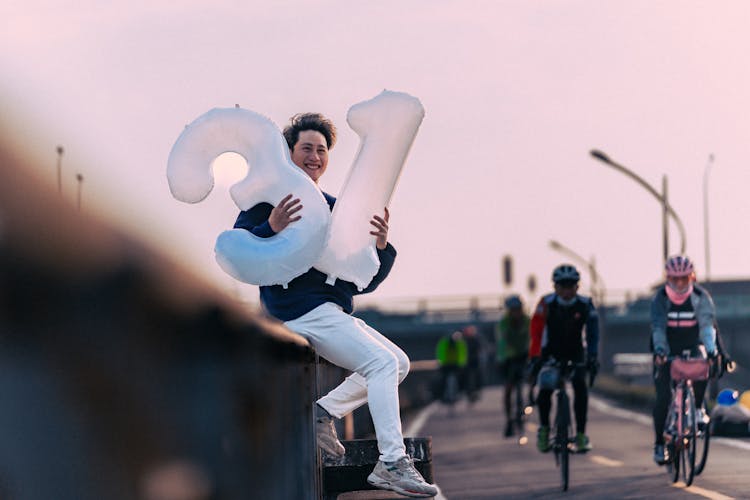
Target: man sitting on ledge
{"x":322,"y":314}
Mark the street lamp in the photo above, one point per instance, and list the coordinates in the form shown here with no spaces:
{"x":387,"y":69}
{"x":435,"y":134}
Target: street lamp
{"x":60,"y":152}
{"x":661,"y":197}
{"x":705,"y":216}
{"x":597,"y":284}
{"x":79,"y":178}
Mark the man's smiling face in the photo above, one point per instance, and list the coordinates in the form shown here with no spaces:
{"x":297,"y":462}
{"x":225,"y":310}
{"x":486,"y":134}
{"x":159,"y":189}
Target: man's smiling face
{"x":311,"y":153}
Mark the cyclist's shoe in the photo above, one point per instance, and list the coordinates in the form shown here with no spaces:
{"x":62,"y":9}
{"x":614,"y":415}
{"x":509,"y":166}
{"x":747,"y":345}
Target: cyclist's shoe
{"x":661,"y":454}
{"x":542,"y":439}
{"x":509,"y":428}
{"x":401,"y":477}
{"x":327,"y":438}
{"x":582,"y":443}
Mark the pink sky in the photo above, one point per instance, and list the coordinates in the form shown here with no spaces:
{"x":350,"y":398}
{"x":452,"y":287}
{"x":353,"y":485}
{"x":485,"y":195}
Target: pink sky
{"x":516,"y":93}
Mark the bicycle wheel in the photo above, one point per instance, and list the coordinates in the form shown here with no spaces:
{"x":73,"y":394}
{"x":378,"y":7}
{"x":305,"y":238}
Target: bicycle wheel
{"x":673,"y":467}
{"x":689,"y":429}
{"x":519,"y":415}
{"x":562,"y":424}
{"x":704,"y":438}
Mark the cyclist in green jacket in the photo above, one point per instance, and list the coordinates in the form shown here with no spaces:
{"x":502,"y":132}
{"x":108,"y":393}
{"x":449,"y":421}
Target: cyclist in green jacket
{"x":452,"y":354}
{"x":512,"y":336}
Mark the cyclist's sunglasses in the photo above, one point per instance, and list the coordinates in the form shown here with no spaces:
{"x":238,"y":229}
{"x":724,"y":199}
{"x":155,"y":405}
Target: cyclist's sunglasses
{"x":567,"y":283}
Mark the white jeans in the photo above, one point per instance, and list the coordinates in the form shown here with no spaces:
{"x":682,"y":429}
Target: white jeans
{"x":378,"y":365}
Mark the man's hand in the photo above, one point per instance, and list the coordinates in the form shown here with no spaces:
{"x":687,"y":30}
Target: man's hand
{"x":283,"y":214}
{"x":381,"y":224}
{"x":592,"y":365}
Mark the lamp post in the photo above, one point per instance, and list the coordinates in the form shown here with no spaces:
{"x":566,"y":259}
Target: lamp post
{"x":597,"y":284}
{"x":667,"y":208}
{"x":705,"y":216}
{"x":60,"y":152}
{"x":79,"y":178}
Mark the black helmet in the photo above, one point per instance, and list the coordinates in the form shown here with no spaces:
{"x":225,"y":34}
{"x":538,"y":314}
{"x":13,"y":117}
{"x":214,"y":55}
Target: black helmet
{"x":513,"y":301}
{"x":566,"y":272}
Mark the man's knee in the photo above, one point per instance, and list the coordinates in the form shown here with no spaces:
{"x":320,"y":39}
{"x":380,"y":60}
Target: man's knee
{"x":404,"y":365}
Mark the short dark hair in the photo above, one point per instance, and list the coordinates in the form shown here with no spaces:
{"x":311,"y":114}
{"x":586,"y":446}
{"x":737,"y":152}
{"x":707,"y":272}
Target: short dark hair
{"x":309,"y":121}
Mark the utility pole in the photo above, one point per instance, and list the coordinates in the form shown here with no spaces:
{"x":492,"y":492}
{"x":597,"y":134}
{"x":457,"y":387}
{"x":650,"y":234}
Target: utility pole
{"x":60,"y":152}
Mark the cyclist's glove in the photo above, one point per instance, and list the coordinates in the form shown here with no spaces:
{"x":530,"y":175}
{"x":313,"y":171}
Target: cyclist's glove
{"x":728,"y":365}
{"x":592,"y":365}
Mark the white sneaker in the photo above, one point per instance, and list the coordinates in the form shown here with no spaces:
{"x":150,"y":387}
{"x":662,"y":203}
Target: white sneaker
{"x":327,"y":437}
{"x":401,"y":477}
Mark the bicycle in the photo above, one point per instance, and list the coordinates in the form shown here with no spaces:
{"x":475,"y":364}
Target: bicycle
{"x":681,"y":432}
{"x":451,"y":390}
{"x":725,"y":365}
{"x":558,"y":373}
{"x":520,"y":411}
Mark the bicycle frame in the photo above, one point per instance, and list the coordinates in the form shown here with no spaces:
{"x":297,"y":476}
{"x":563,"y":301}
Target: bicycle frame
{"x":563,"y":428}
{"x":681,"y":430}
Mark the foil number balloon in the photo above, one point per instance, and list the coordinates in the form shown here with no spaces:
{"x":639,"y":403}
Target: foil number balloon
{"x":386,"y":124}
{"x":271,"y":176}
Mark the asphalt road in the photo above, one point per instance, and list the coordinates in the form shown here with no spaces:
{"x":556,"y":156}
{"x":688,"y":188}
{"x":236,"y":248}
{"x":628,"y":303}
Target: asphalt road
{"x":472,"y":459}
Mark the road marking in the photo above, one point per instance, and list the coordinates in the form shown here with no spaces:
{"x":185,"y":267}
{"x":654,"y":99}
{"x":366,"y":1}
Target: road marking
{"x":742,"y":445}
{"x":608,"y":462}
{"x":697,"y":490}
{"x":619,"y":412}
{"x":415,"y":427}
{"x":605,"y":407}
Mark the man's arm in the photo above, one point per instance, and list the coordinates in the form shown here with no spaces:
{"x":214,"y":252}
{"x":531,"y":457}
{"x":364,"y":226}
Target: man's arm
{"x":255,"y":220}
{"x":386,"y":251}
{"x":265,"y":220}
{"x":387,"y":257}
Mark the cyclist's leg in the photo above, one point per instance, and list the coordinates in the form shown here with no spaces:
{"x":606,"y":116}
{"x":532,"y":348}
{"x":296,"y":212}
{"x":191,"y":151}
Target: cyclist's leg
{"x":662,"y":384}
{"x":581,"y":398}
{"x":699,"y":387}
{"x":544,"y":403}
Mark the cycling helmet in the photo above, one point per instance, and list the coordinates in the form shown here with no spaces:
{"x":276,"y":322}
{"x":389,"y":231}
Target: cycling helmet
{"x":513,"y":302}
{"x":678,"y":265}
{"x":565,"y":272}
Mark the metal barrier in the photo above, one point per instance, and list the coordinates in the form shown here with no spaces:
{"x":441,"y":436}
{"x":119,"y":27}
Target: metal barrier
{"x":125,"y":377}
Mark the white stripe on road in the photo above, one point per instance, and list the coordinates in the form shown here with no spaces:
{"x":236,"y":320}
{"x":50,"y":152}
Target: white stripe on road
{"x":415,"y":427}
{"x":607,"y":408}
{"x":645,"y":420}
{"x":697,"y":490}
{"x":601,"y":460}
{"x":734,"y":443}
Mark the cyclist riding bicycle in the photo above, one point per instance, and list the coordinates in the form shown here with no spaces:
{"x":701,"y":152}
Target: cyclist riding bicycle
{"x":452,"y":354}
{"x":682,"y":319}
{"x":557,"y":333}
{"x":512,"y":334}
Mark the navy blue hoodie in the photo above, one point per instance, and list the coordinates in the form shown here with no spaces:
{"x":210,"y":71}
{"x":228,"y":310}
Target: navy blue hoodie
{"x":307,"y":291}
